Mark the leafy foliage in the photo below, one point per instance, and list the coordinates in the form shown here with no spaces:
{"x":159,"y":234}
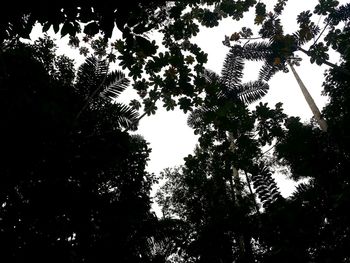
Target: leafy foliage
{"x":265,"y":186}
{"x":93,"y":79}
{"x":83,"y":193}
{"x":232,"y":70}
{"x":177,"y":22}
{"x":201,"y":196}
{"x":69,"y":193}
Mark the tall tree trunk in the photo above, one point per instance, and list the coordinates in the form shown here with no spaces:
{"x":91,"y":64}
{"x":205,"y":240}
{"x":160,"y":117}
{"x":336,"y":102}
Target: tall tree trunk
{"x":316,"y":112}
{"x":244,"y":240}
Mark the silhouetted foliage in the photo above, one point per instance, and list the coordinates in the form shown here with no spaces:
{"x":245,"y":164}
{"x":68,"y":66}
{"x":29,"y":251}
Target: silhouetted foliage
{"x":73,"y":185}
{"x":280,"y":47}
{"x":72,"y":190}
{"x":137,"y":50}
{"x":312,"y":225}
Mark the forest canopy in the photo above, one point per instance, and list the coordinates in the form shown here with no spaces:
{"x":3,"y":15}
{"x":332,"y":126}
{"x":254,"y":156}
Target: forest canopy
{"x":74,"y":184}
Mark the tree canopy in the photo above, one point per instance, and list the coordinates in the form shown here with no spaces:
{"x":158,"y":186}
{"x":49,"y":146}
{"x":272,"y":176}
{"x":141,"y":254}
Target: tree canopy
{"x":74,"y":185}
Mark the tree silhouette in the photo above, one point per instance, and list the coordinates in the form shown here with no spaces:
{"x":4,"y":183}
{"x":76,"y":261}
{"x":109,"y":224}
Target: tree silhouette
{"x":69,"y":193}
{"x":262,"y":51}
{"x":228,"y":89}
{"x":207,"y":192}
{"x":316,"y":207}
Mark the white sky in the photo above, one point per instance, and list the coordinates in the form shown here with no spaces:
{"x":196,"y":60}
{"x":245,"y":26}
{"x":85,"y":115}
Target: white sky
{"x":167,"y":132}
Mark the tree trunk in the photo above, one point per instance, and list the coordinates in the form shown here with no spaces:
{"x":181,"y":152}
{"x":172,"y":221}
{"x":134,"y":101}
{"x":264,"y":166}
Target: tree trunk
{"x":244,"y":241}
{"x":316,"y":112}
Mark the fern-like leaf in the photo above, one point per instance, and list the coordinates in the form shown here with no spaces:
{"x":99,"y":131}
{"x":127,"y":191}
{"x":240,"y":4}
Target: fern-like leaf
{"x":252,"y":91}
{"x":256,"y":51}
{"x":265,"y":185}
{"x":90,"y":75}
{"x":115,"y":83}
{"x":304,"y":192}
{"x":267,"y":71}
{"x":196,"y":118}
{"x":211,"y":76}
{"x":124,"y":116}
{"x":232,"y":71}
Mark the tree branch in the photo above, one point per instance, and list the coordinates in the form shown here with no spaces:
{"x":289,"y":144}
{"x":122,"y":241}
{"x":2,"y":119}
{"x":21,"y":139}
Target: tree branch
{"x":320,"y":34}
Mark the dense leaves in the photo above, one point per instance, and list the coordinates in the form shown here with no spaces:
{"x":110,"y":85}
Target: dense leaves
{"x":72,"y":190}
{"x":137,"y":50}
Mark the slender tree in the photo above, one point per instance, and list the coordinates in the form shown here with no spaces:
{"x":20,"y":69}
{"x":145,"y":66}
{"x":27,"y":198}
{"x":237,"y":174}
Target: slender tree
{"x":316,"y":112}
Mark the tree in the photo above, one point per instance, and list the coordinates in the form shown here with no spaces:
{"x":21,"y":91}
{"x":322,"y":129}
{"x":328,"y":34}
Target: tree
{"x":69,"y":193}
{"x":86,"y":174}
{"x":262,"y":51}
{"x":200,"y":196}
{"x":317,"y":206}
{"x":283,"y":45}
{"x":224,"y":106}
{"x":207,"y":192}
{"x":278,"y":51}
{"x":100,"y":88}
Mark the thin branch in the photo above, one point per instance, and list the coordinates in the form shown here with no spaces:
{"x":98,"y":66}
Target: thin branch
{"x":315,"y":41}
{"x":246,"y":43}
{"x":273,"y":146}
{"x":250,"y":38}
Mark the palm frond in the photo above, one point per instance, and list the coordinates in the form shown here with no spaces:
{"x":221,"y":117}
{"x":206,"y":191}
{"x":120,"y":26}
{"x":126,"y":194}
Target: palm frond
{"x":197,"y":117}
{"x":115,"y":83}
{"x":93,"y":81}
{"x":232,"y":71}
{"x":267,"y":71}
{"x":256,"y":51}
{"x":252,"y":91}
{"x":265,"y":185}
{"x":124,"y":116}
{"x":211,"y":77}
{"x":101,"y":68}
{"x":304,"y":191}
{"x":90,"y":75}
{"x":302,"y":38}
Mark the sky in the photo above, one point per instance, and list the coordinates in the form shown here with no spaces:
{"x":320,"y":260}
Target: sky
{"x":167,"y":132}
